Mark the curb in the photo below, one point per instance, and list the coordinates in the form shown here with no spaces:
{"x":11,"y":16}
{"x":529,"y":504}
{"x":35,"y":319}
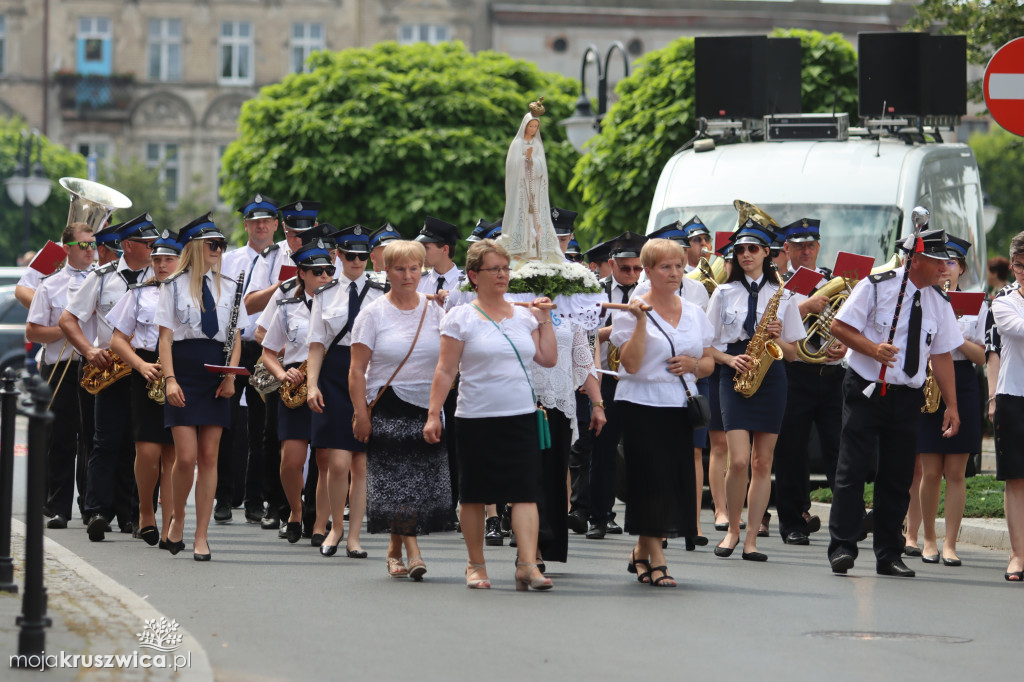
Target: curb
{"x":141,"y":609}
{"x":982,"y":532}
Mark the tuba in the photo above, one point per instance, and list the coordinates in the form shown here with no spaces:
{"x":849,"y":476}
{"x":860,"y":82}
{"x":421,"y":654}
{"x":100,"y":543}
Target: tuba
{"x":709,"y":274}
{"x":294,"y":395}
{"x":92,"y":203}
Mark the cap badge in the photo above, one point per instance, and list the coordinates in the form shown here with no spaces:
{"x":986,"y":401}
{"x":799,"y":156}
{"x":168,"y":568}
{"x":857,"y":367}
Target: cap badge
{"x":258,"y":198}
{"x":554,"y":213}
{"x":803,"y":223}
{"x":149,"y":218}
{"x":165,"y":235}
{"x":358,"y":231}
{"x":320,"y":243}
{"x":298,"y":206}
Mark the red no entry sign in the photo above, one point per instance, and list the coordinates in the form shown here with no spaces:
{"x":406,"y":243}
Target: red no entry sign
{"x":1004,"y":86}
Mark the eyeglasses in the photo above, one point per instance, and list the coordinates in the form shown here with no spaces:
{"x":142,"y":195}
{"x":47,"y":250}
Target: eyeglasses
{"x":317,"y":271}
{"x":216,"y":244}
{"x":747,"y":248}
{"x":350,"y":257}
{"x":84,"y":246}
{"x":631,"y":268}
{"x":574,"y":257}
{"x":496,"y":269}
{"x":1017,"y":266}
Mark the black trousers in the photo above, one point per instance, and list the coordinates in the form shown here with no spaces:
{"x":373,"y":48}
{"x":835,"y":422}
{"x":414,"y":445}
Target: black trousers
{"x":63,"y":437}
{"x":87,"y":418}
{"x":271,"y":489}
{"x":233,"y":451}
{"x":602,"y":459}
{"x":450,"y":403}
{"x":579,"y":459}
{"x":111,"y":490}
{"x":553,"y":540}
{"x":815,"y":396}
{"x":888,"y":423}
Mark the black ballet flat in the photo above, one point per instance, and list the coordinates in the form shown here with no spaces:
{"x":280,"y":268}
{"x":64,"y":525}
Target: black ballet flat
{"x":150,"y":534}
{"x":930,"y":559}
{"x":162,"y":544}
{"x":355,"y":553}
{"x":175,"y":546}
{"x":724,"y":552}
{"x":694,"y":542}
{"x":293,"y":531}
{"x":318,"y":539}
{"x":202,"y":557}
{"x":328,"y":550}
{"x":754,"y":556}
{"x":951,"y":562}
{"x":722,"y":526}
{"x":910,"y":550}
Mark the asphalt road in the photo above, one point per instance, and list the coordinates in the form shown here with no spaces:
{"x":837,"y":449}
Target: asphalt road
{"x":267,"y":610}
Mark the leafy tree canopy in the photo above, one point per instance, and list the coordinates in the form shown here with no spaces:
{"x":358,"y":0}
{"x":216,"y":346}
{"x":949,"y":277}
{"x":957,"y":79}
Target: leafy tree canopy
{"x":46,"y":221}
{"x":397,"y":133}
{"x":1000,"y":156}
{"x":654,"y":116}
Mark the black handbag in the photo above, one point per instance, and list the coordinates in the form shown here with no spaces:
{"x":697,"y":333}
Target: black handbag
{"x":698,"y":409}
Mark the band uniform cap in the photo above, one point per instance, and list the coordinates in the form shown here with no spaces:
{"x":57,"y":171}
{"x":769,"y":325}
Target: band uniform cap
{"x":202,"y":227}
{"x":957,"y":247}
{"x":167,"y":244}
{"x":726,"y":250}
{"x":695,"y":226}
{"x":564,"y":220}
{"x":480,"y":231}
{"x":260,"y":206}
{"x":353,"y":239}
{"x":933,"y":243}
{"x":325,"y":231}
{"x":108,"y":236}
{"x":140,"y":227}
{"x":383,"y":234}
{"x":495,"y":230}
{"x":300,"y":215}
{"x":751,"y":232}
{"x":573,"y":249}
{"x":675,"y":231}
{"x":316,"y":252}
{"x":803,"y":230}
{"x":438,"y":232}
{"x":598,"y":253}
{"x":627,"y":245}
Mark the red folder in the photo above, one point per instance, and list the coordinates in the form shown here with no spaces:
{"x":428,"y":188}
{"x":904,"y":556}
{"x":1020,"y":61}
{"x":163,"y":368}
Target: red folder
{"x":287,"y":272}
{"x":49,"y":258}
{"x":804,"y":280}
{"x":852,"y":266}
{"x":224,"y":369}
{"x":966,"y":303}
{"x":721,"y":239}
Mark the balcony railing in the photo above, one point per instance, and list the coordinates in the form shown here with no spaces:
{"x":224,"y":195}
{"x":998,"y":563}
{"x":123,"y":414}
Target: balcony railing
{"x":99,"y":96}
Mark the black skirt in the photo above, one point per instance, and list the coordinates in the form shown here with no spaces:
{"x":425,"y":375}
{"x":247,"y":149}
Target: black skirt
{"x":660,"y":478}
{"x":294,"y":424}
{"x":147,"y":415}
{"x":408,"y":488}
{"x":499,"y":459}
{"x":1009,"y":437}
{"x":968,"y":438}
{"x":332,"y":428}
{"x":762,"y":411}
{"x":201,"y":407}
{"x":713,"y":400}
{"x":553,"y":540}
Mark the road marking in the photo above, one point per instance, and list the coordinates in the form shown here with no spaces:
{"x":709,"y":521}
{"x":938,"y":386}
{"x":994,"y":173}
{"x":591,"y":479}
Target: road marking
{"x":1006,"y":86}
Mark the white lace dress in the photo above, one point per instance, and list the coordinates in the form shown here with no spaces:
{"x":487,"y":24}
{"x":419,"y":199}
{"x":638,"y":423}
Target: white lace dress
{"x":556,"y":386}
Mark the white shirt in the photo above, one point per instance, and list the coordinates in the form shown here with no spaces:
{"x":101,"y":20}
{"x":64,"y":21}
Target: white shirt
{"x":288,"y":328}
{"x":653,"y":384}
{"x":1008,"y":312}
{"x":100,"y":291}
{"x":973,"y":329}
{"x":690,"y":290}
{"x":135,"y":316}
{"x":330,"y":309}
{"x":30,"y":278}
{"x":389,"y":332}
{"x":428,"y":283}
{"x":614,"y":292}
{"x":492,"y":382}
{"x":267,"y":270}
{"x":49,"y":302}
{"x":178,"y":311}
{"x":869,"y":310}
{"x":264,"y":318}
{"x":727,"y":312}
{"x":234,"y":262}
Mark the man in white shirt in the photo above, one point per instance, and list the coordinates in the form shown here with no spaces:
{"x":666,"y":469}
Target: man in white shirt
{"x":699,"y":237}
{"x":880,"y":419}
{"x":380,"y":238}
{"x":439,"y":239}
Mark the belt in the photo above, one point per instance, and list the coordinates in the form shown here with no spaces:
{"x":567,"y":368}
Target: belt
{"x":889,"y":388}
{"x":819,"y":370}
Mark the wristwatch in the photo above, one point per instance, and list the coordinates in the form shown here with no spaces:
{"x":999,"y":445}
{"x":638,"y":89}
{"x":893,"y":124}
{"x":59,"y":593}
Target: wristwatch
{"x":599,"y":403}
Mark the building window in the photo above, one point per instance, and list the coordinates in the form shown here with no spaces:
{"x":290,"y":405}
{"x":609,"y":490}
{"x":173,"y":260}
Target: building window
{"x":306,"y":39}
{"x":164,"y":59}
{"x":94,"y":35}
{"x":3,"y":45}
{"x":164,"y":158}
{"x":423,"y":33}
{"x":100,"y":149}
{"x":221,"y":148}
{"x":236,"y":51}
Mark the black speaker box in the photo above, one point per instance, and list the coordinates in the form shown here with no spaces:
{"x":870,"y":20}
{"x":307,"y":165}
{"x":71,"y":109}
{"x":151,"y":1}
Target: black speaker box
{"x":730,"y":76}
{"x":913,"y":74}
{"x":783,"y":87}
{"x":947,"y":76}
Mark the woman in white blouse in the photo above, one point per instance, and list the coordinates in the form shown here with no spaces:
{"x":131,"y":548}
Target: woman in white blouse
{"x":940,"y":457}
{"x":1008,"y":312}
{"x":395,"y":346}
{"x":492,"y":345}
{"x":135,"y":340}
{"x":287,"y":333}
{"x":193,"y":313}
{"x":735,"y":312}
{"x":662,"y":352}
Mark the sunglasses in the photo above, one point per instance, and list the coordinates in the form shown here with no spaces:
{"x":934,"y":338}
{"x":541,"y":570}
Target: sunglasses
{"x":631,"y":268}
{"x":147,"y":244}
{"x":350,"y":257}
{"x":575,"y":257}
{"x":84,"y":246}
{"x":747,"y":248}
{"x":216,"y":244}
{"x":320,"y":269}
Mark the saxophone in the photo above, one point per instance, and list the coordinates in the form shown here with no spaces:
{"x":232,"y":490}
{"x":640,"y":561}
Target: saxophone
{"x":157,"y":390}
{"x":95,"y":379}
{"x":294,"y":395}
{"x":761,"y":348}
{"x":932,"y":395}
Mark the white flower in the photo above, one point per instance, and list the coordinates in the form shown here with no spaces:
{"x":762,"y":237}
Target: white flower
{"x":566,"y":270}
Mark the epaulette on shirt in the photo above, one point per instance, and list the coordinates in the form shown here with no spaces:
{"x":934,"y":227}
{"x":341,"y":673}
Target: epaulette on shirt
{"x":942,"y":293}
{"x":139,"y":285}
{"x":270,"y":249}
{"x":826,"y":272}
{"x":785,"y":277}
{"x":1009,"y":288}
{"x":287,"y":301}
{"x":881,"y":276}
{"x":174,"y":276}
{"x":325,"y":287}
{"x":57,"y":271}
{"x":375,"y":285}
{"x":290,"y":284}
{"x":106,"y":269}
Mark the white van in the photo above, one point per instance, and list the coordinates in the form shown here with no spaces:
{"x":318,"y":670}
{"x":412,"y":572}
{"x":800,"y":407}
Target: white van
{"x":863,"y":191}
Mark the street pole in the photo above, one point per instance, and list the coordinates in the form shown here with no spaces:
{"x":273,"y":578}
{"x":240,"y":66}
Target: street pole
{"x":8,"y":413}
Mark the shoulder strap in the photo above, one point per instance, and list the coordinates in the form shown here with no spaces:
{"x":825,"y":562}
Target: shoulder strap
{"x":426,"y":303}
{"x":349,"y":323}
{"x":672,"y":347}
{"x":514,"y":349}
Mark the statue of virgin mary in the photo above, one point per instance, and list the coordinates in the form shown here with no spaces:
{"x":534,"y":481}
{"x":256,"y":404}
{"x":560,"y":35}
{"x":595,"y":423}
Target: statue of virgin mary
{"x":527,"y":231}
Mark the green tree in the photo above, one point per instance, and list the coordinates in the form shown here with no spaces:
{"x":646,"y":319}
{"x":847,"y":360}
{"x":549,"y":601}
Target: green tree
{"x":46,"y":221}
{"x":654,"y":116}
{"x":1000,"y":156}
{"x":396,"y":133}
{"x":988,"y":25}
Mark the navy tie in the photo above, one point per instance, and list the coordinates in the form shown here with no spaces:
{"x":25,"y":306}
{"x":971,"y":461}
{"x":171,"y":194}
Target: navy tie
{"x":751,"y":322}
{"x":440,"y":283}
{"x":913,"y":356}
{"x":209,"y":316}
{"x":353,"y":303}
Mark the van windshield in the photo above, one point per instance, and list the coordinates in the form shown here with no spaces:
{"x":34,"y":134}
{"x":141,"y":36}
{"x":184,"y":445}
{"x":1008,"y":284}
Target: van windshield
{"x":854,"y":228}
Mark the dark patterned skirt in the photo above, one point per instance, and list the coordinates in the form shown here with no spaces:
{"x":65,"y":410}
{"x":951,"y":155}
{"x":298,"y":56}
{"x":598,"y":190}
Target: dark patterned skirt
{"x":332,"y":428}
{"x":199,"y":386}
{"x":147,"y":415}
{"x":408,"y":490}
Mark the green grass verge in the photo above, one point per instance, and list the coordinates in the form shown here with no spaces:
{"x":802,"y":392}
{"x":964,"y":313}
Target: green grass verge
{"x":984,"y":497}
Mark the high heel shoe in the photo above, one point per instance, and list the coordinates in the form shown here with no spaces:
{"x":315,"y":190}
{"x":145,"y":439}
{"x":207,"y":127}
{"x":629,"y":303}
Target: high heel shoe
{"x":524,"y":584}
{"x":665,"y":580}
{"x":483,"y":584}
{"x":645,"y":577}
{"x":196,"y":556}
{"x":1014,"y":576}
{"x":175,"y":546}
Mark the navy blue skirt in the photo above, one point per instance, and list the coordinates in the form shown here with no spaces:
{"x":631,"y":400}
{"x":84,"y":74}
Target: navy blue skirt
{"x":201,"y":407}
{"x":294,"y":424}
{"x":147,"y":415}
{"x":332,"y":429}
{"x":762,"y":411}
{"x":716,"y":405}
{"x":968,"y":397}
{"x":700,"y":436}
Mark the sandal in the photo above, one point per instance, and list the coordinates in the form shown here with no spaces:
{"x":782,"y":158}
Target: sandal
{"x":665,"y":580}
{"x":644,"y":577}
{"x":396,"y":569}
{"x":484,"y":584}
{"x":1014,"y":576}
{"x":417,"y":569}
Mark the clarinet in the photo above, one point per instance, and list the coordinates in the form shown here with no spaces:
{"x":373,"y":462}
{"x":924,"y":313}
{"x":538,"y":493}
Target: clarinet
{"x":229,"y":342}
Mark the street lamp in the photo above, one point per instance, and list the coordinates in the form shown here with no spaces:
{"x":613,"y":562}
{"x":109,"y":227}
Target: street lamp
{"x":584,"y":124}
{"x":29,"y":185}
